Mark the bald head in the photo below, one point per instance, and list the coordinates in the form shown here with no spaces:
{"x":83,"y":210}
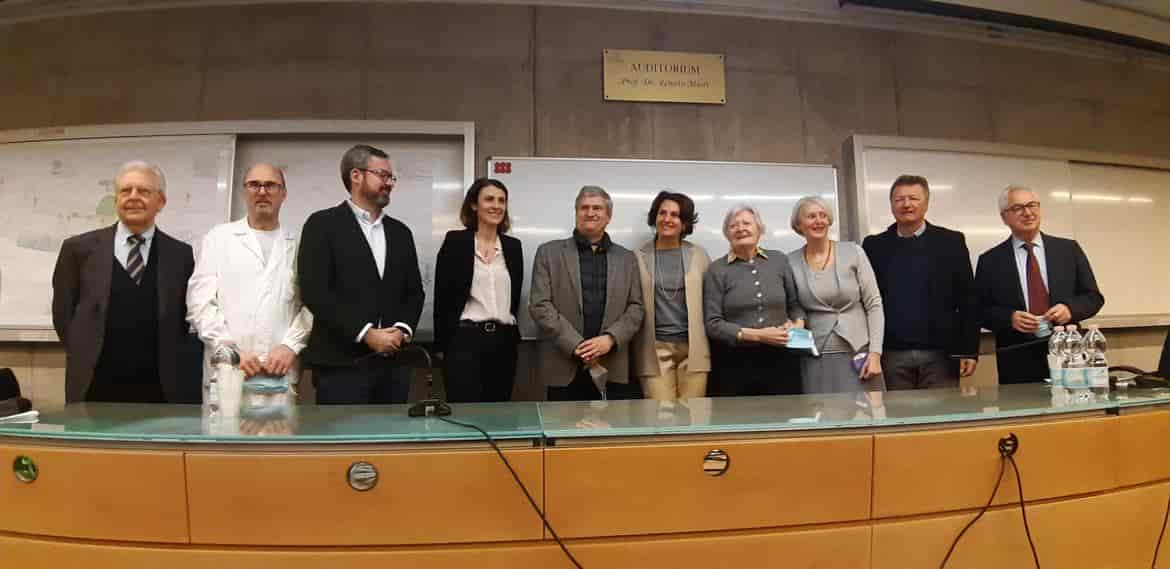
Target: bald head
{"x":264,"y":194}
{"x":266,"y":170}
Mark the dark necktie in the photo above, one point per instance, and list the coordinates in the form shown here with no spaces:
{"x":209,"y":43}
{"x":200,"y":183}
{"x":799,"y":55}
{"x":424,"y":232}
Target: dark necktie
{"x":134,"y":264}
{"x":1037,"y":294}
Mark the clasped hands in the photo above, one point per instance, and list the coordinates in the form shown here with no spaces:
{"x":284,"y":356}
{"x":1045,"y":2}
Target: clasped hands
{"x":591,"y":350}
{"x":276,"y":362}
{"x":771,"y":335}
{"x":1028,"y":323}
{"x":385,"y":340}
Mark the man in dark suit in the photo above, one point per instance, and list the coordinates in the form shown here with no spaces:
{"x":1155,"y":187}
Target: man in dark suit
{"x":928,"y":294}
{"x":1030,"y":277}
{"x":586,"y":299}
{"x":359,"y":276}
{"x":119,"y":301}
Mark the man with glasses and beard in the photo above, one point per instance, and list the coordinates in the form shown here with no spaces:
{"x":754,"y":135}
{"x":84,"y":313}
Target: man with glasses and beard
{"x":1030,"y":281}
{"x":359,"y":276}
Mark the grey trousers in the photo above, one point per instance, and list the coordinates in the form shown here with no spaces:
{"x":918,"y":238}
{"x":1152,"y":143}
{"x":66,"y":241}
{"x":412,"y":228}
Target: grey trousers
{"x":918,"y":369}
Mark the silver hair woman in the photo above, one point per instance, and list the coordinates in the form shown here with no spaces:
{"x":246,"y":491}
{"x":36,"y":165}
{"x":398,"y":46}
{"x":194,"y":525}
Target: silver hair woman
{"x":750,"y":304}
{"x":837,"y":289}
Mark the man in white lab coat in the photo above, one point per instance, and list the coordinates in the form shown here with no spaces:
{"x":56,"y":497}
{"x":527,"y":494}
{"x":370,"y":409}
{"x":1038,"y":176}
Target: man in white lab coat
{"x":244,"y":289}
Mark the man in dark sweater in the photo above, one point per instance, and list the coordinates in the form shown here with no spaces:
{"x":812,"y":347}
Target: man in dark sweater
{"x":928,"y":293}
{"x":119,"y":302}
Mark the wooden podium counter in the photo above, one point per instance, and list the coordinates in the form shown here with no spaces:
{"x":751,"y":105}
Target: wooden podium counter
{"x":798,"y":481}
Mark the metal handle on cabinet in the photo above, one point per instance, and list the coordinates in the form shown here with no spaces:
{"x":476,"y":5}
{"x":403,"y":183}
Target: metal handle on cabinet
{"x":362,"y":476}
{"x":25,"y":469}
{"x":716,"y":463}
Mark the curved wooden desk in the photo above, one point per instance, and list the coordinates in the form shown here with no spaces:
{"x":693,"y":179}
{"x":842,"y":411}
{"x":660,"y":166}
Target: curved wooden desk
{"x":811,"y":482}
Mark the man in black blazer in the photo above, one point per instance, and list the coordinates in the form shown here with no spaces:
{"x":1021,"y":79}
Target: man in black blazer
{"x":1029,"y":277}
{"x":359,"y":276}
{"x":119,"y":302}
{"x":928,"y":294}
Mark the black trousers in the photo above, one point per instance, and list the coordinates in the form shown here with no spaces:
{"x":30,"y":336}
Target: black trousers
{"x":373,"y":380}
{"x":480,"y":363}
{"x":753,"y":370}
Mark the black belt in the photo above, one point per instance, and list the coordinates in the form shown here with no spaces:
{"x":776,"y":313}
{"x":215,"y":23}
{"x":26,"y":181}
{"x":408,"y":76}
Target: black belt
{"x":489,"y":326}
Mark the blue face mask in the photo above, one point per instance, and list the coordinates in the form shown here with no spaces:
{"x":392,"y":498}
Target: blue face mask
{"x":800,"y":339}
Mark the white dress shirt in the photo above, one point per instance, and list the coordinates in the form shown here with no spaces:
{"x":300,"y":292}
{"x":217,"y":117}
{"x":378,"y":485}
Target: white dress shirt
{"x":491,"y":289}
{"x":372,"y":228}
{"x":236,"y":295}
{"x":1022,"y":264}
{"x":122,"y":245}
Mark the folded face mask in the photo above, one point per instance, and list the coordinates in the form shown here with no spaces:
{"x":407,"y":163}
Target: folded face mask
{"x":800,"y":339}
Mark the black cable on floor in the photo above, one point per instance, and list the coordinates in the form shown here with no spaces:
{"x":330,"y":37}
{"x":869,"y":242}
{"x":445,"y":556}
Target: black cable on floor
{"x":519,"y":483}
{"x":983,"y":510}
{"x":1007,"y":449}
{"x":1023,"y":511}
{"x":1161,"y":534}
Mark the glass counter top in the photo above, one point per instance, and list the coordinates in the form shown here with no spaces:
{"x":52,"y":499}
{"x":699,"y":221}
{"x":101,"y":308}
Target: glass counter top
{"x":305,"y":424}
{"x":309,"y":424}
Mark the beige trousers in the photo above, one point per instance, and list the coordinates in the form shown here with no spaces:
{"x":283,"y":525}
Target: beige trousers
{"x":675,"y":380}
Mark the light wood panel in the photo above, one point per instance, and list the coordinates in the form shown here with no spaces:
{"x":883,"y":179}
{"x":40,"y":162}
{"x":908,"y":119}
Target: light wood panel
{"x":643,"y":489}
{"x":1143,"y":448}
{"x":96,"y":494}
{"x":952,"y":469}
{"x":836,"y":548}
{"x":1116,"y":530}
{"x":305,"y":499}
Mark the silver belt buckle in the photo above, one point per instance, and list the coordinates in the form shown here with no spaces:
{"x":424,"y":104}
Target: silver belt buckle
{"x":489,"y":326}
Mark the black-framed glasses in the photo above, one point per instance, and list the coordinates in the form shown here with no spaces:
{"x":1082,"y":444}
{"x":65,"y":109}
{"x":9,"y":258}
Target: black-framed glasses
{"x":270,"y":187}
{"x":385,"y":175}
{"x":1020,"y":207}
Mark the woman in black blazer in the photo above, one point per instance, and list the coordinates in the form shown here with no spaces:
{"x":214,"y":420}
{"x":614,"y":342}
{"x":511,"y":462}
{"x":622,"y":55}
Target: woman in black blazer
{"x":477,"y":290}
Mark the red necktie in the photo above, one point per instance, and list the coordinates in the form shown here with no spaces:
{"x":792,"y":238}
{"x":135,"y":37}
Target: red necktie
{"x":1037,"y":294}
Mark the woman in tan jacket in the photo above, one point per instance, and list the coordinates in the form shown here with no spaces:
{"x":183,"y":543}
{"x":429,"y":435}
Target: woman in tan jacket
{"x":671,"y":355}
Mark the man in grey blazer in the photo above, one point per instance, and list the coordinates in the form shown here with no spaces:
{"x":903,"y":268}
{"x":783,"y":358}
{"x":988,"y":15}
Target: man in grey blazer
{"x":586,"y":299}
{"x":119,"y":302}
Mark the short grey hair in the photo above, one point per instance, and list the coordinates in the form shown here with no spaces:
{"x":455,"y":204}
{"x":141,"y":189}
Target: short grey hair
{"x":143,"y":166}
{"x":738,"y":209}
{"x":598,"y":191}
{"x":804,"y":202}
{"x":1005,"y":195}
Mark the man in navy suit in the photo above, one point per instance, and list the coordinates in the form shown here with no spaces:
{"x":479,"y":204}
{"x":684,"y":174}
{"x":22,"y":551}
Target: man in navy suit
{"x":358,"y":273}
{"x":1029,"y":277}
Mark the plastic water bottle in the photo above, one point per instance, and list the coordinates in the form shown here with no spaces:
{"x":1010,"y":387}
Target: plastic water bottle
{"x":1056,"y":347}
{"x":1074,"y":368}
{"x":1097,"y":364}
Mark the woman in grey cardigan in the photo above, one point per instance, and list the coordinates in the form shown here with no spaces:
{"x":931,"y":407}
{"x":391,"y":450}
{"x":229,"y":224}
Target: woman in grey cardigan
{"x":670,"y":354}
{"x":839,"y":293}
{"x":749,"y":296}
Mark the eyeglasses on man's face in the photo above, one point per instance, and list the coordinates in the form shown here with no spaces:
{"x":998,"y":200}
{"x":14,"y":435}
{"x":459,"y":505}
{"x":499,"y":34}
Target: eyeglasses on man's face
{"x":385,"y":175}
{"x":255,"y":186}
{"x":1020,"y":207}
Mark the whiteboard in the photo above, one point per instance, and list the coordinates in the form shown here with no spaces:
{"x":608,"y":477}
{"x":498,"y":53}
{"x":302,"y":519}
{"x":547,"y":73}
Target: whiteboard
{"x":964,"y":191}
{"x":541,"y":193}
{"x":1121,"y":217}
{"x":1116,"y":211}
{"x":426,"y":198}
{"x":50,"y":190}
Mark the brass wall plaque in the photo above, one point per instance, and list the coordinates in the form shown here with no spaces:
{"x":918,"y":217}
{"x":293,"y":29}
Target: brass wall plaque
{"x":664,"y":76}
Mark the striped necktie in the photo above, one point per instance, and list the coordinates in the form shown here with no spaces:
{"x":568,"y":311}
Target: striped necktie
{"x":134,"y":264}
